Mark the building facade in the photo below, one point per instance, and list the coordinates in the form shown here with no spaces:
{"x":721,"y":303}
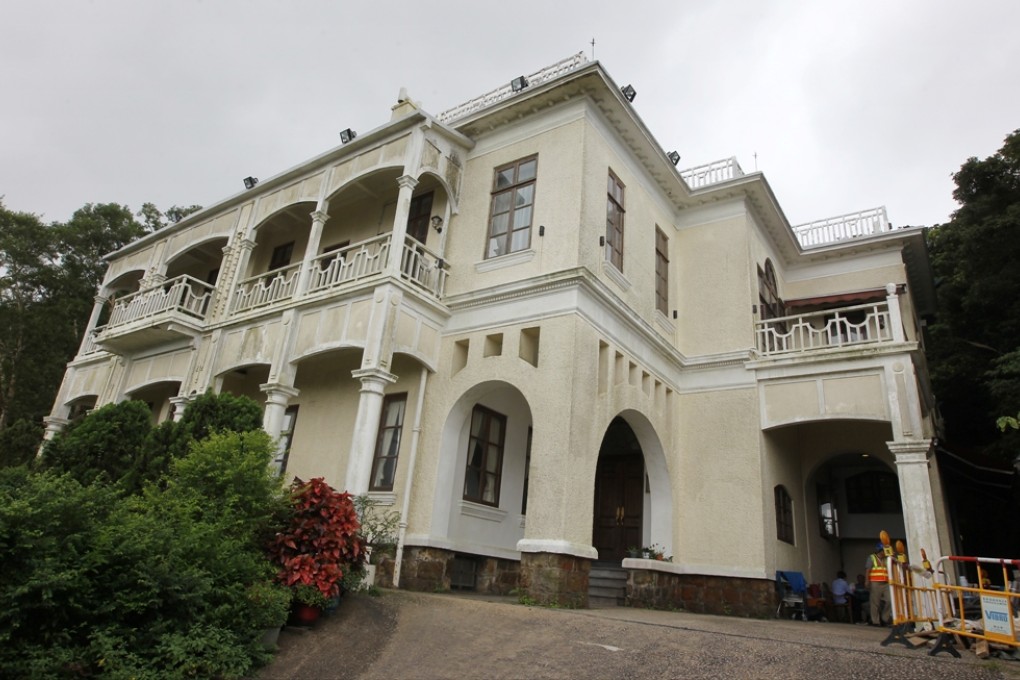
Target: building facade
{"x":520,"y":326}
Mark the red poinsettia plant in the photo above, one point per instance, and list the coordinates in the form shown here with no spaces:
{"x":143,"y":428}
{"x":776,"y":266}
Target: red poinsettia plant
{"x":322,"y":540}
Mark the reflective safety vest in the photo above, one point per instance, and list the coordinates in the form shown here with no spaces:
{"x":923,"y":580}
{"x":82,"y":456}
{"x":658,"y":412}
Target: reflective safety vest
{"x":878,"y":571}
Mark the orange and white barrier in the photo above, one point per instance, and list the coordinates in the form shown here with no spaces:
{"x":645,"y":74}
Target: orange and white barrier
{"x":979,"y":611}
{"x":913,"y":598}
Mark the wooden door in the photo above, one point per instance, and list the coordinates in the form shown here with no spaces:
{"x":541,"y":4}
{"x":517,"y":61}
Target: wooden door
{"x":619,"y":501}
{"x":418,"y":217}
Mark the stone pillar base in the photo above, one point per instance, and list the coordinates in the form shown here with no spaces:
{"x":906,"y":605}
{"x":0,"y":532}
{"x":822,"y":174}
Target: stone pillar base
{"x":433,"y":570}
{"x":555,"y":579}
{"x":727,"y":596}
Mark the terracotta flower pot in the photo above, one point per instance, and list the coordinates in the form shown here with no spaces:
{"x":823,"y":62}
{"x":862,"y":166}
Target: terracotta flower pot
{"x":305,"y":614}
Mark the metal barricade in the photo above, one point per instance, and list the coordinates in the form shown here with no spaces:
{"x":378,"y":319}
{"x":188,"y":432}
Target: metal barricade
{"x":982,"y":612}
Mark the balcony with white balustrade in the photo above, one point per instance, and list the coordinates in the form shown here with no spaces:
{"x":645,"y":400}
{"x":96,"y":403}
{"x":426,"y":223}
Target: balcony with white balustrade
{"x":174,"y":309}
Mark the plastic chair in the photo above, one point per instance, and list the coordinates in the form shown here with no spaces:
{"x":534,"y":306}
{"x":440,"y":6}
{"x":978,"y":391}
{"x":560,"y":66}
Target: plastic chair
{"x":791,"y":586}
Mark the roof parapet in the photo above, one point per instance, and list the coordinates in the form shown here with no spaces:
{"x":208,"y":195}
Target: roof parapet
{"x":506,"y":91}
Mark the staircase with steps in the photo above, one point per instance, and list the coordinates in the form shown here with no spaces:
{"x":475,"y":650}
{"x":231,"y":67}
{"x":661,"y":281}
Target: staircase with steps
{"x":607,"y":586}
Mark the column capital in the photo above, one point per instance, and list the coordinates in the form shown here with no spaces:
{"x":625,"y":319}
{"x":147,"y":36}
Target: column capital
{"x":101,"y":299}
{"x":407,"y":182}
{"x":911,"y":450}
{"x":278,"y":392}
{"x":319,"y":216}
{"x":246,"y":244}
{"x":374,"y":376}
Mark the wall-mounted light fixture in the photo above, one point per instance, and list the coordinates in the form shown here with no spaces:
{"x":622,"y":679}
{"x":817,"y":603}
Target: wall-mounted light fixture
{"x":347,"y":135}
{"x":602,"y":241}
{"x":673,"y":157}
{"x":629,"y":92}
{"x":249,"y":182}
{"x":518,"y":83}
{"x":437,"y":223}
{"x":541,"y":230}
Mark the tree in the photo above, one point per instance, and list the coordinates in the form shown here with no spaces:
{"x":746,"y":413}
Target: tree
{"x":154,"y":220}
{"x":974,"y":347}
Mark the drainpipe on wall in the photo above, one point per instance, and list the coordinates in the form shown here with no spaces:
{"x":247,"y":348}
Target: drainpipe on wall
{"x":405,"y":506}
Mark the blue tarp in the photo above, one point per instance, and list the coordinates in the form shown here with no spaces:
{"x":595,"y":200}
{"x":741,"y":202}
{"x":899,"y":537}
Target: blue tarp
{"x":798,"y":583}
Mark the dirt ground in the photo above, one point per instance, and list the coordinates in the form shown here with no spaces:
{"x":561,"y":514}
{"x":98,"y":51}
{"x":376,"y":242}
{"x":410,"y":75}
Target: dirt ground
{"x":401,"y":634}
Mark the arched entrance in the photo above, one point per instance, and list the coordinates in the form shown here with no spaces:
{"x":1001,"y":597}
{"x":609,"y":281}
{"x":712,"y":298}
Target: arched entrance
{"x":619,"y":493}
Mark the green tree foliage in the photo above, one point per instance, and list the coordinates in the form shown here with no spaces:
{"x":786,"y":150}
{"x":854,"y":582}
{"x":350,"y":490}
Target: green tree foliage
{"x":169,"y":583}
{"x":975,"y":345}
{"x":19,"y":443}
{"x":49,"y":275}
{"x":154,"y":220}
{"x":102,"y":446}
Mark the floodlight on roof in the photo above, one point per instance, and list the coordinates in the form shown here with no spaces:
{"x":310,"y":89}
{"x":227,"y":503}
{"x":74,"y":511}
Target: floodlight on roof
{"x":347,"y":135}
{"x":518,"y":83}
{"x":249,"y":182}
{"x":673,"y":157}
{"x":629,"y":92}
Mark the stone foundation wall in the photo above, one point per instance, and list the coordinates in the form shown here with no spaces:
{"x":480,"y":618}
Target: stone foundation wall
{"x":430,"y":569}
{"x":554,"y":579}
{"x":701,"y":594}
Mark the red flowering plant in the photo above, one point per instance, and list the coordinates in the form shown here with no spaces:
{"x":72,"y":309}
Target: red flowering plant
{"x":321,"y":542}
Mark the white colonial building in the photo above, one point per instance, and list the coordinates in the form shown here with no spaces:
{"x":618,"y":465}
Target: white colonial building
{"x":520,"y":326}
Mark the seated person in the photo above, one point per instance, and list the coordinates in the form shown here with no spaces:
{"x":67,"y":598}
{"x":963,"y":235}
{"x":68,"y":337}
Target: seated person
{"x":840,"y":589}
{"x":859,"y":600}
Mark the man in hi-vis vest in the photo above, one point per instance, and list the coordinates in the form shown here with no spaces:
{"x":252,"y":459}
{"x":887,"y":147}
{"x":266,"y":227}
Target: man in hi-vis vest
{"x":878,"y":587}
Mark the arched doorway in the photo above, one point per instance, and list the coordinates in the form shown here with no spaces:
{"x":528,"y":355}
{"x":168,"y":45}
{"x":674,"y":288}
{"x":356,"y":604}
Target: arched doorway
{"x":619,"y":493}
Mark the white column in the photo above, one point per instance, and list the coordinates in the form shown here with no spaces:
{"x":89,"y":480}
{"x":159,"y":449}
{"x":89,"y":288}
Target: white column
{"x":895,"y":313}
{"x":54,"y":426}
{"x":366,"y":427}
{"x":314,"y":238}
{"x":399,"y":234}
{"x":277,"y":398}
{"x":97,"y":309}
{"x":912,"y":460}
{"x":179,"y":403}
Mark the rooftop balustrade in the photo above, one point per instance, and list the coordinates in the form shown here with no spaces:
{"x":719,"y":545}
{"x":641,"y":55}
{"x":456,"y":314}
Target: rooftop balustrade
{"x":712,"y":173}
{"x":834,"y":229}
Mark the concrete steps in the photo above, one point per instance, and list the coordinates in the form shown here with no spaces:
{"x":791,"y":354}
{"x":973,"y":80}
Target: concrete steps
{"x":607,"y":586}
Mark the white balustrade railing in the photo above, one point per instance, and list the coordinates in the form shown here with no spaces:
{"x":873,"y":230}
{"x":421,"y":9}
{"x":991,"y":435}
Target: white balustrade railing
{"x":499,"y":94}
{"x":422,"y":267}
{"x":183,"y":294}
{"x":843,"y":227}
{"x":265,"y":289}
{"x":90,"y":346}
{"x":712,"y":173}
{"x":346,"y":265}
{"x":832,"y":328}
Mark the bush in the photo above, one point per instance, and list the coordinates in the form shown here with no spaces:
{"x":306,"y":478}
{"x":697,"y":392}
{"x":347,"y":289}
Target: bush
{"x":19,"y":443}
{"x":322,"y":540}
{"x":172,"y":582}
{"x":103,"y":445}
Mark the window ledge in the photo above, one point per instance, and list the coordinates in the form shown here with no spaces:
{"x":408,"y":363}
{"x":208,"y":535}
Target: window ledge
{"x":482,"y":511}
{"x":610,"y":270}
{"x":664,"y":322}
{"x":501,"y":261}
{"x":383,"y":497}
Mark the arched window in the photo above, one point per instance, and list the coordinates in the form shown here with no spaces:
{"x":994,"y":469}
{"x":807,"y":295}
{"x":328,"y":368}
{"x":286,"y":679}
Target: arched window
{"x":771,"y":305}
{"x":784,"y":515}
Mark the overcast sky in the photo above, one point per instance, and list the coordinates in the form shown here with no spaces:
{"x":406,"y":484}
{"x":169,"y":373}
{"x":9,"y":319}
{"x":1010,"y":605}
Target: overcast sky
{"x":848,"y":105}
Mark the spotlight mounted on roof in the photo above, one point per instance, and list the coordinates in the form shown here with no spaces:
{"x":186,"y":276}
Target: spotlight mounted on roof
{"x":673,"y":157}
{"x":629,"y":92}
{"x":250,"y":182}
{"x":347,"y":135}
{"x":518,"y":83}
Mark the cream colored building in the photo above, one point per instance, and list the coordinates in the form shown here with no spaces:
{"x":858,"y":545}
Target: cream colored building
{"x":519,"y":325}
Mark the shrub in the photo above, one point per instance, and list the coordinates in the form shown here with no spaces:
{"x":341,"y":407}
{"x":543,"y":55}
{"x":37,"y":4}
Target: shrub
{"x":19,"y":443}
{"x":103,"y":445}
{"x":322,"y":540}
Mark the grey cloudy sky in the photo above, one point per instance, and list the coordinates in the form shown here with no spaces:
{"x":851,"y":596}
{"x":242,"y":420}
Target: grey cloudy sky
{"x":847,"y":105}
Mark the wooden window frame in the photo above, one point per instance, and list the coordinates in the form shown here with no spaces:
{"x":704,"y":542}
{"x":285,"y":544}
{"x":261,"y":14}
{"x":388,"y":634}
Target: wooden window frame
{"x":784,"y":515}
{"x":478,"y":471}
{"x":661,"y":271}
{"x":286,"y":438}
{"x":769,"y":302}
{"x":391,"y":456}
{"x":284,"y":251}
{"x":615,"y":214}
{"x":503,"y":243}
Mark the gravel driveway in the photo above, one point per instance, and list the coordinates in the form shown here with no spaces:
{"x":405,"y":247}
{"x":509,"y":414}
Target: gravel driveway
{"x":401,"y":634}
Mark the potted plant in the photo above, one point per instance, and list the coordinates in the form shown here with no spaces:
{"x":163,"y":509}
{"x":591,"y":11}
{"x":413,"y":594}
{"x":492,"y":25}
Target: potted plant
{"x":270,"y":603}
{"x":321,"y":543}
{"x":379,"y":528}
